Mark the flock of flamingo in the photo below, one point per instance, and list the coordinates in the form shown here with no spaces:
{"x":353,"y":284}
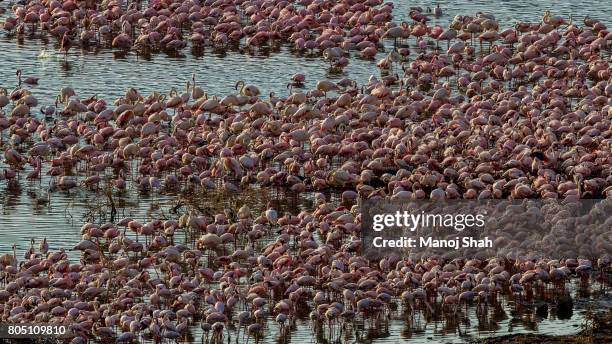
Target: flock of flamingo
{"x":472,"y":111}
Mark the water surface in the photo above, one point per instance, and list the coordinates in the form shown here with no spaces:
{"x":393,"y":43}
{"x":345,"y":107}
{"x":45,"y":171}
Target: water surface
{"x":24,"y":214}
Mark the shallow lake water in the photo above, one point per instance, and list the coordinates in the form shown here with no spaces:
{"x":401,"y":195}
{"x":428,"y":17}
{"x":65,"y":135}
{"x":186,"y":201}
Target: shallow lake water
{"x":102,"y":72}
